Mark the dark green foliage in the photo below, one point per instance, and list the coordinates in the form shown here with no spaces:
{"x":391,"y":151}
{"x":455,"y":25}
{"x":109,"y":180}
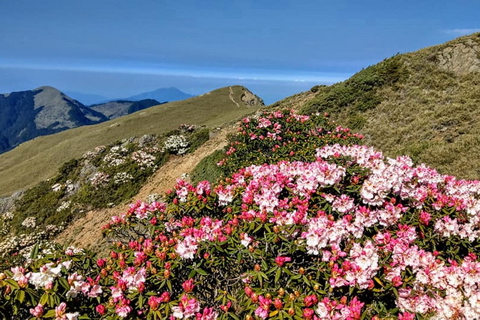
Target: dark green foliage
{"x":207,"y":168}
{"x":142,"y":104}
{"x":198,"y":137}
{"x":360,"y":91}
{"x":112,"y":193}
{"x":356,"y":121}
{"x":39,"y":202}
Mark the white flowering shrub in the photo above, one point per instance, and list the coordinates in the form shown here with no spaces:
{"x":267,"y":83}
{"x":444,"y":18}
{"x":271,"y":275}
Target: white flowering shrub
{"x":29,"y":222}
{"x":64,"y":206}
{"x":143,"y":159}
{"x":122,"y":177}
{"x":176,"y":144}
{"x":57,"y":187}
{"x":100,"y":179}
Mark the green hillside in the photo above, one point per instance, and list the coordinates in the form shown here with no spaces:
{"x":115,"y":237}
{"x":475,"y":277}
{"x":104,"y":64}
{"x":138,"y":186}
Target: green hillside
{"x":39,"y":159}
{"x":424,"y":104}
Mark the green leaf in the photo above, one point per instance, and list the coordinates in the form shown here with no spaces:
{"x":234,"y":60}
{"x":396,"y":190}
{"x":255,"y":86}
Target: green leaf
{"x":201,"y":271}
{"x":43,"y":300}
{"x":49,"y":314}
{"x":12,"y":283}
{"x":34,"y":253}
{"x":273,"y":313}
{"x":278,"y":274}
{"x":233,"y":316}
{"x":20,"y":296}
{"x":378,"y":281}
{"x":64,"y":283}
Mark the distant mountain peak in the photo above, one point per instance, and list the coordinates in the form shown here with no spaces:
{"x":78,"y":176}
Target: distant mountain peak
{"x":169,"y":94}
{"x":47,"y":88}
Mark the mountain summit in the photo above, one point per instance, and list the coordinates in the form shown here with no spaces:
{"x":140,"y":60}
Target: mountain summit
{"x":25,"y":115}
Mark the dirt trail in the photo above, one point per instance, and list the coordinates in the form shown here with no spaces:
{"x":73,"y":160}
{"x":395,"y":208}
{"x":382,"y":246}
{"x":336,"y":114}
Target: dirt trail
{"x":86,"y":232}
{"x":230,"y":95}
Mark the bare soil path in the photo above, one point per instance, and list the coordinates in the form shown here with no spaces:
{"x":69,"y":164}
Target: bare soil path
{"x":230,"y":95}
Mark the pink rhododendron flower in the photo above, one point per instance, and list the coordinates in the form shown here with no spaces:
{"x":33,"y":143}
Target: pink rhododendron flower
{"x":37,"y":311}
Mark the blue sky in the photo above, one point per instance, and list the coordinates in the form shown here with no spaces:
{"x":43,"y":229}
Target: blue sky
{"x":275,"y":48}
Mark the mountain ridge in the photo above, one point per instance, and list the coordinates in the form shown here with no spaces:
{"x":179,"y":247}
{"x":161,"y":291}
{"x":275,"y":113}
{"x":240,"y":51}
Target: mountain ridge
{"x":25,"y":115}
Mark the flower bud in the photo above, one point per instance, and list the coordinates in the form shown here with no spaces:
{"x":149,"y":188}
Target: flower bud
{"x":277,"y":303}
{"x":8,"y":290}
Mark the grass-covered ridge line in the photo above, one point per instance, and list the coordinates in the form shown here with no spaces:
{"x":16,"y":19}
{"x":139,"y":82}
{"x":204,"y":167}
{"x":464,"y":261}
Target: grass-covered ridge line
{"x":423,"y":103}
{"x":336,"y":231}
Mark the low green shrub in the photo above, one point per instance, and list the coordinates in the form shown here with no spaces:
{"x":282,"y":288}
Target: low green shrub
{"x":207,"y":169}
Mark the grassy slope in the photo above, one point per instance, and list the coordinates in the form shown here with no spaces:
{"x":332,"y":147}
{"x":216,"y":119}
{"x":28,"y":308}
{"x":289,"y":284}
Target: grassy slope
{"x":40,"y":158}
{"x":409,"y":104}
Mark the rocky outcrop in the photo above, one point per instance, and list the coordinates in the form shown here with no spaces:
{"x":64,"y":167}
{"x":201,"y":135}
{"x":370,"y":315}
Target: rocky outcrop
{"x":7,"y":203}
{"x":460,"y":58}
{"x":249,"y":99}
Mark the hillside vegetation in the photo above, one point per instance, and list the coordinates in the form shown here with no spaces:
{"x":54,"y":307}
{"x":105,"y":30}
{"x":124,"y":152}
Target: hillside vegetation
{"x":423,"y":104}
{"x":39,"y":159}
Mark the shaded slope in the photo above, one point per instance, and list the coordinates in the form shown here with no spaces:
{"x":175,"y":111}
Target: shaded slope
{"x":28,"y":114}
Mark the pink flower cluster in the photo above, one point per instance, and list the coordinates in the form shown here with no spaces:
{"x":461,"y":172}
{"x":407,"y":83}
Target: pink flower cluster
{"x":368,"y":221}
{"x":390,"y":189}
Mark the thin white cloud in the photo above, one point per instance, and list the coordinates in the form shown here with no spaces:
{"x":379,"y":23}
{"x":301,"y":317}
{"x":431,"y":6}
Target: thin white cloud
{"x":461,"y":32}
{"x":326,"y":78}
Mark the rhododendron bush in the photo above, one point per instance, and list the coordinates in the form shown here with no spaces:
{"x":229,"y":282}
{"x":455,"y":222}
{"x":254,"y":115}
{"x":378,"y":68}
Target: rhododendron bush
{"x":348,"y":235}
{"x":282,"y":135}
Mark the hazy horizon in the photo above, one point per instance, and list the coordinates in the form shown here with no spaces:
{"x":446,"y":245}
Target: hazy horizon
{"x":274,"y":48}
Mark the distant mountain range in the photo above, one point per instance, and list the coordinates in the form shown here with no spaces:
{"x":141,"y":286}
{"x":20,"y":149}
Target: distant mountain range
{"x":25,"y":115}
{"x":162,"y":95}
